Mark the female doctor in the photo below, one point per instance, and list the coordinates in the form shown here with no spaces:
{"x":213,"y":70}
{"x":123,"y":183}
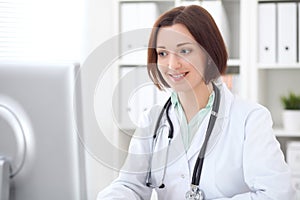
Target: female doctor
{"x":204,"y":143}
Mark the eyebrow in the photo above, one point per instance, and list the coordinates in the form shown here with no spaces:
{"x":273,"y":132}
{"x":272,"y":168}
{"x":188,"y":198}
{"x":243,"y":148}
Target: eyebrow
{"x":178,"y":45}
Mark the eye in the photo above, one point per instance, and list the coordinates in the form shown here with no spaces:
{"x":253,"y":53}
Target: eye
{"x":162,"y":53}
{"x":185,"y":51}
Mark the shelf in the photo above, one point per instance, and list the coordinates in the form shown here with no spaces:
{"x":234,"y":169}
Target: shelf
{"x":277,"y":1}
{"x":279,"y":66}
{"x":136,"y":58}
{"x":140,"y":59}
{"x":280,"y":132}
{"x":233,"y":62}
{"x":141,"y":1}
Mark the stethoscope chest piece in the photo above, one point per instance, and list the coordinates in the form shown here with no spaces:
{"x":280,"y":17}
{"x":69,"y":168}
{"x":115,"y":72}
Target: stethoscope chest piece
{"x":195,"y":193}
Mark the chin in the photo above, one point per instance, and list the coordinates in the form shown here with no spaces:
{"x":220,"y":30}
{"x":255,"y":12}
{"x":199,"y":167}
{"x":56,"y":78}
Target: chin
{"x":182,"y":88}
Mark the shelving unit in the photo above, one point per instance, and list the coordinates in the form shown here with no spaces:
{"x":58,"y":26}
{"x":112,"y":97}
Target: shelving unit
{"x":276,"y":79}
{"x":279,"y":132}
{"x":279,"y":66}
{"x":231,"y":8}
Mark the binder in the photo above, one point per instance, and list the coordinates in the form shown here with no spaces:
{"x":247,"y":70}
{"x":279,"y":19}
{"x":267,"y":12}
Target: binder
{"x":137,"y":20}
{"x":287,"y":33}
{"x":267,"y":33}
{"x":138,"y":15}
{"x":147,"y":14}
{"x":298,"y":59}
{"x":136,"y":95}
{"x":126,"y":85}
{"x":129,"y":19}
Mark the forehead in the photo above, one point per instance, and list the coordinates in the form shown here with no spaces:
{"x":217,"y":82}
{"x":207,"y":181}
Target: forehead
{"x":173,"y":35}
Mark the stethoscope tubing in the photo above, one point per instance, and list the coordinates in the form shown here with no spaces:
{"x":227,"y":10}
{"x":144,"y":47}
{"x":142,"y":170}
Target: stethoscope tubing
{"x":200,"y":159}
{"x":166,"y":109}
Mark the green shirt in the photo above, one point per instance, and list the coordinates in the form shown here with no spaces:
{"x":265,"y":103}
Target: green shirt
{"x":188,"y":130}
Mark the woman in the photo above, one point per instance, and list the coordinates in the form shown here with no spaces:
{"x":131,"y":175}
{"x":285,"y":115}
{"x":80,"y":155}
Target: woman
{"x":240,"y":160}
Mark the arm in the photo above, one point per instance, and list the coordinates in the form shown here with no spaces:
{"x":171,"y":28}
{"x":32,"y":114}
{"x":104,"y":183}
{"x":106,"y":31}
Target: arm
{"x":130,"y":185}
{"x":265,"y":171}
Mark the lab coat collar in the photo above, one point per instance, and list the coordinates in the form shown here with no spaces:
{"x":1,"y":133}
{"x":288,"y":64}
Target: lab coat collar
{"x":222,"y":120}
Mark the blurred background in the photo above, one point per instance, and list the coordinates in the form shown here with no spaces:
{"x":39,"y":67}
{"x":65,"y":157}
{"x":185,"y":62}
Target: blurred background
{"x":73,"y":84}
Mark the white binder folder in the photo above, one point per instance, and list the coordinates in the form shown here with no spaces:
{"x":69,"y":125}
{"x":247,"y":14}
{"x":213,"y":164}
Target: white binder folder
{"x":267,"y":33}
{"x":287,"y":33}
{"x":298,"y":60}
{"x":138,"y":15}
{"x":137,"y":20}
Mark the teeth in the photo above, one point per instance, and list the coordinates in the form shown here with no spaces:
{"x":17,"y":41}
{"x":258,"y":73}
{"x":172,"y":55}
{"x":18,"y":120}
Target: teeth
{"x":178,"y":75}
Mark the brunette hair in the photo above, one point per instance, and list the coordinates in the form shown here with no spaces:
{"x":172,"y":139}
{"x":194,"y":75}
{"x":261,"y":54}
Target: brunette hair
{"x":205,"y":31}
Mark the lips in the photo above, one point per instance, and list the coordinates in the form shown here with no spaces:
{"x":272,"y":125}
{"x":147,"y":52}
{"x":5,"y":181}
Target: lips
{"x":178,"y":76}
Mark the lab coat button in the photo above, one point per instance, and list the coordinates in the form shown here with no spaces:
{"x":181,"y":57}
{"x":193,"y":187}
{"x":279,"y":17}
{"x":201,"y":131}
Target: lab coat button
{"x":182,"y":176}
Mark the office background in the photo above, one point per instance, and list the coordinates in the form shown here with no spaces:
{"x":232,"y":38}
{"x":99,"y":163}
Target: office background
{"x":263,"y":44}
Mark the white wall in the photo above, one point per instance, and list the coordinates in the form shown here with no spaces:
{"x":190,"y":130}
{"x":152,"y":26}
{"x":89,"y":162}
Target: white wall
{"x":98,"y":28}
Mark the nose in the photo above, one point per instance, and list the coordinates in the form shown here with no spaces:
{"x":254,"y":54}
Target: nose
{"x":174,"y":61}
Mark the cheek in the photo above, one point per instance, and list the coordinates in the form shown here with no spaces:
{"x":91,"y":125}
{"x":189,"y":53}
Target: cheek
{"x":196,"y":67}
{"x":199,"y":70}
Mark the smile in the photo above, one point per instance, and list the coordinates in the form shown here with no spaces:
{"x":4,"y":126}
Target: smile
{"x":178,"y":77}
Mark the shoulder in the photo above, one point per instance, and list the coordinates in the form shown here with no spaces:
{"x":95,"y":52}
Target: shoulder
{"x":250,"y":116}
{"x":247,"y":107}
{"x":241,"y":109}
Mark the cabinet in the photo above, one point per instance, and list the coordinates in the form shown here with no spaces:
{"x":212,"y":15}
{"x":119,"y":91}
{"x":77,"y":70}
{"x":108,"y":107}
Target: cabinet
{"x":278,"y":68}
{"x":136,"y":90}
{"x":137,"y":93}
{"x":278,"y":76}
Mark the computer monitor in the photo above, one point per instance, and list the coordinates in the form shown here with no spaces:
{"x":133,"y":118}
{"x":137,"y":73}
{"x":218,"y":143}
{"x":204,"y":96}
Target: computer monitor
{"x":39,"y":125}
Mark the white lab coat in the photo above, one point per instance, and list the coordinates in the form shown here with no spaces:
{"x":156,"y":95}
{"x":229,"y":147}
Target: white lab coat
{"x":243,"y":159}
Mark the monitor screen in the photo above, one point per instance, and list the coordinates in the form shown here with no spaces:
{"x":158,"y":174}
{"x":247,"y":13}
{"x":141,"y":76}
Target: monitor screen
{"x":39,"y":121}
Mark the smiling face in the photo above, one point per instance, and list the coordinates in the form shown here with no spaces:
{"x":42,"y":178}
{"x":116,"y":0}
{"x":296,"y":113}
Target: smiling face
{"x":181,"y":61}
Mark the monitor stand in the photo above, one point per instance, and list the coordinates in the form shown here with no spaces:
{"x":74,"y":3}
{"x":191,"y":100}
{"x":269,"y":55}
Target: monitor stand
{"x":4,"y":179}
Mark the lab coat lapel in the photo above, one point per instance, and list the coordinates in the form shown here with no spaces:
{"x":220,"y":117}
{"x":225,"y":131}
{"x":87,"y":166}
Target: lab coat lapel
{"x":177,"y":143}
{"x":198,"y":139}
{"x":220,"y":124}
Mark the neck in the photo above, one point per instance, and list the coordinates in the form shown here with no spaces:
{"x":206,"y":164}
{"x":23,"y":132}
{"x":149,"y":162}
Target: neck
{"x":194,"y":100}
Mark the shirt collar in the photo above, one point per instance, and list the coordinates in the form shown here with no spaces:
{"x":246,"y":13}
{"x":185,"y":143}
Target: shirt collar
{"x":175,"y":100}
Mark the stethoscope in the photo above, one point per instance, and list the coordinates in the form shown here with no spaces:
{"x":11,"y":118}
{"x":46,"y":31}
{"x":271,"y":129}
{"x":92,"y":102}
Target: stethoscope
{"x":195,"y":193}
